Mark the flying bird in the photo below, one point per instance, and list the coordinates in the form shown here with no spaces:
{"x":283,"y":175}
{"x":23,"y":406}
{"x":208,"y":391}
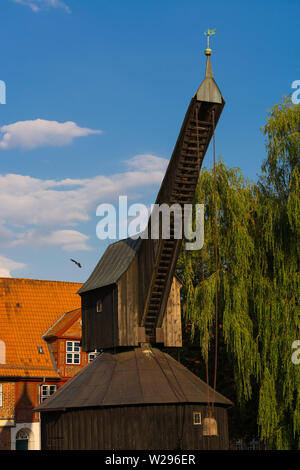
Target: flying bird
{"x":76,"y":262}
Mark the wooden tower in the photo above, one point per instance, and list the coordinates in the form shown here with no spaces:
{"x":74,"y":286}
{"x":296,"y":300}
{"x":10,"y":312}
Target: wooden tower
{"x":130,"y":308}
{"x":132,"y":296}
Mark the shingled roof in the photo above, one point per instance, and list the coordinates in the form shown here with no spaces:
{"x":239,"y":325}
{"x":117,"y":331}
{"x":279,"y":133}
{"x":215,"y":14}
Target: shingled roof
{"x":27,"y":309}
{"x":112,"y":265}
{"x":133,"y":377}
{"x":62,"y":324}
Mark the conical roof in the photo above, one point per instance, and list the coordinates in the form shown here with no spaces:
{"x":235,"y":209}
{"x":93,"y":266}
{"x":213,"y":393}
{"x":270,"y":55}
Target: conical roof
{"x":209,"y":90}
{"x":135,"y":377}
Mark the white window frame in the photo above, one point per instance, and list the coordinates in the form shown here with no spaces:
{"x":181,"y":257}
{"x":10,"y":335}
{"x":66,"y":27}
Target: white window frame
{"x":1,"y":395}
{"x":22,"y":435}
{"x":49,"y":392}
{"x":197,"y":418}
{"x":73,"y":353}
{"x":93,"y":354}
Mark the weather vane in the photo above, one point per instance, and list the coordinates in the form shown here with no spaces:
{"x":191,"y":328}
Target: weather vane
{"x":208,"y":33}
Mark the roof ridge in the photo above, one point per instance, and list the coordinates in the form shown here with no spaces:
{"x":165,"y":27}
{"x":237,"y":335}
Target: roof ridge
{"x":37,"y":280}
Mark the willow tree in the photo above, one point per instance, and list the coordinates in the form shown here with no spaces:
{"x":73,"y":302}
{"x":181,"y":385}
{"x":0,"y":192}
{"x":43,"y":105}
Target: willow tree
{"x":257,"y":278}
{"x":277,"y":277}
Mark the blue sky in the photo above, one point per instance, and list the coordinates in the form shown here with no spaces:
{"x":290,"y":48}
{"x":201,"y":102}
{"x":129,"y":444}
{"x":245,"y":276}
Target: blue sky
{"x":96,"y":94}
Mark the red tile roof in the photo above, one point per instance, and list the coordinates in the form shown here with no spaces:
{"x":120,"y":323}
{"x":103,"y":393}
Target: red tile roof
{"x":27,"y":309}
{"x":63,"y":323}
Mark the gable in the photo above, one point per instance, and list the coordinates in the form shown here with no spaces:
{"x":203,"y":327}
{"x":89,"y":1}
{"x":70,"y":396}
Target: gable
{"x":74,"y":330}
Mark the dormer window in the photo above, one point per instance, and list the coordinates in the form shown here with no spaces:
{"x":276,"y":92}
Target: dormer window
{"x":99,"y":306}
{"x":40,"y":349}
{"x":73,"y":352}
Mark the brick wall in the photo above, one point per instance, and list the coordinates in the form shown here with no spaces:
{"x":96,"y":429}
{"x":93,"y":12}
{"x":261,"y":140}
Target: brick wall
{"x":7,"y":410}
{"x":5,"y":439}
{"x":26,"y":400}
{"x":7,"y":413}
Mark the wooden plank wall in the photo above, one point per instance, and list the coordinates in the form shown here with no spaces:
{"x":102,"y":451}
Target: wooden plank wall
{"x":171,"y":326}
{"x":146,"y":264}
{"x":128,"y":305}
{"x":151,"y":427}
{"x":100,"y":330}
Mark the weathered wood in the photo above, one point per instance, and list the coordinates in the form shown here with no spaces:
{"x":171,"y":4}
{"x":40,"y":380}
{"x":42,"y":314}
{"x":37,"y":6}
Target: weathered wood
{"x":184,"y":167}
{"x":100,"y":330}
{"x":132,"y":428}
{"x":171,"y":325}
{"x":128,"y":306}
{"x":144,"y":284}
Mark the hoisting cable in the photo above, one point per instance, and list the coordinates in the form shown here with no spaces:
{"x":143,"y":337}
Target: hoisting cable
{"x":203,"y":291}
{"x":216,"y":256}
{"x":205,"y":330}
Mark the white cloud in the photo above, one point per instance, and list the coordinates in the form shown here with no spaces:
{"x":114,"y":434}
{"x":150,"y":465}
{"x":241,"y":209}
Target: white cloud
{"x":37,"y":133}
{"x":38,"y":5}
{"x":147,"y":162}
{"x":7,"y":265}
{"x":31,"y":201}
{"x":5,"y":233}
{"x":67,"y":240}
{"x":41,"y":212}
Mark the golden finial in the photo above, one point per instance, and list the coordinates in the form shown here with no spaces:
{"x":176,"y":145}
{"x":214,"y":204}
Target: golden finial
{"x":208,"y":33}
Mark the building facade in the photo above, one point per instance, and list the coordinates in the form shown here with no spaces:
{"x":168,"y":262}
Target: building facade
{"x":40,"y":350}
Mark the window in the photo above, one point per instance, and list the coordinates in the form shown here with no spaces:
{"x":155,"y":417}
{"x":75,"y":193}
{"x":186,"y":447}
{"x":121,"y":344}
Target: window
{"x":40,"y":349}
{"x":99,"y":306}
{"x":197,"y":417}
{"x":22,"y":439}
{"x":2,"y":352}
{"x":94,"y":354}
{"x":1,"y":395}
{"x":73,"y":352}
{"x":46,"y":392}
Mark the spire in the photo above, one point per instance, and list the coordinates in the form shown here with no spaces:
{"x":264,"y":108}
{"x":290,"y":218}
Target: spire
{"x":208,"y":52}
{"x":209,"y":90}
{"x":208,"y":70}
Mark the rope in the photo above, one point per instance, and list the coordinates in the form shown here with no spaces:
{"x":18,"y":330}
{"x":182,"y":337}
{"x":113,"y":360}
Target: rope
{"x":216,"y":255}
{"x":205,"y":331}
{"x":203,"y":292}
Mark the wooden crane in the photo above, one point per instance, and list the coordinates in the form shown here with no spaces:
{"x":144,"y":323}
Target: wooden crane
{"x":134,"y":396}
{"x":133,"y":279}
{"x":178,"y":187}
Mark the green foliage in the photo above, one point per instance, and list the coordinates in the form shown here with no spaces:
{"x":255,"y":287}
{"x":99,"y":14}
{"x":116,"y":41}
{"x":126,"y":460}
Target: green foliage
{"x":283,"y":147}
{"x":259,"y":277}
